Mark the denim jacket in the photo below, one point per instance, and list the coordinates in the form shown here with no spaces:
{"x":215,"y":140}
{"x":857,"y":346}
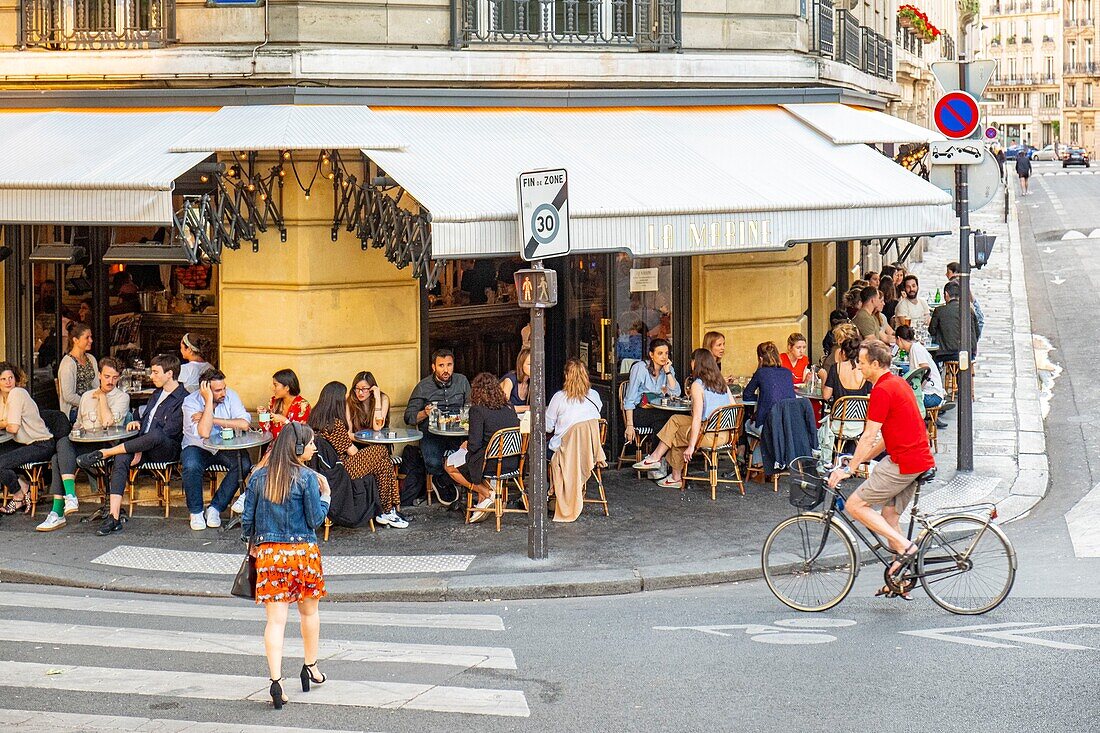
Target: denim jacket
{"x":292,"y":522}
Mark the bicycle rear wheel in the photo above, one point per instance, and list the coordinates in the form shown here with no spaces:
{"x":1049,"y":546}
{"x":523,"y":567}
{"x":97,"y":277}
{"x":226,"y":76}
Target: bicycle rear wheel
{"x":809,"y":563}
{"x":965,"y":566}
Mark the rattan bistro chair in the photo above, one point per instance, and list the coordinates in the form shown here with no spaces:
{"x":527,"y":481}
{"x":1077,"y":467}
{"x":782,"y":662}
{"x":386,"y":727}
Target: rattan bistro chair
{"x":504,"y":444}
{"x":724,"y":428}
{"x":642,"y":435}
{"x":847,"y":419}
{"x":597,"y":473}
{"x":951,"y":380}
{"x":161,"y":472}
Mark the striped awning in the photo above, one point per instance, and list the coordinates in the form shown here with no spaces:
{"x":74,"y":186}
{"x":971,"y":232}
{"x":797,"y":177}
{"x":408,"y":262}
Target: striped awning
{"x":654,"y":181}
{"x":846,"y":125}
{"x":104,"y":167}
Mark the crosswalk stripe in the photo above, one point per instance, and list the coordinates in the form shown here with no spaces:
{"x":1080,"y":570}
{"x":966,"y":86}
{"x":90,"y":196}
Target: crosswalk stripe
{"x":330,"y":613}
{"x":34,"y":721}
{"x":349,"y":693}
{"x":215,"y":643}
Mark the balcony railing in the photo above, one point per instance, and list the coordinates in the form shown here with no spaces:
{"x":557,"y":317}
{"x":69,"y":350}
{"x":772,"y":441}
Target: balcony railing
{"x":847,"y":38}
{"x":97,"y":24}
{"x":1048,"y":6}
{"x":648,"y":25}
{"x":948,"y":47}
{"x":821,"y":26}
{"x":1011,"y":80}
{"x":1085,"y":68}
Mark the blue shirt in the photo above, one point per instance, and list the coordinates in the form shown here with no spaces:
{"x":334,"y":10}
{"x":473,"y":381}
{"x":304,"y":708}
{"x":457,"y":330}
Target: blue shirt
{"x":767,"y":387}
{"x":642,"y":381}
{"x":231,"y":408}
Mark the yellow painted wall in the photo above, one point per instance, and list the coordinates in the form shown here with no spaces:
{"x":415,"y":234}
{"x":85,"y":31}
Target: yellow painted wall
{"x":822,"y":292}
{"x":750,"y":298}
{"x":3,"y":314}
{"x":324,"y":309}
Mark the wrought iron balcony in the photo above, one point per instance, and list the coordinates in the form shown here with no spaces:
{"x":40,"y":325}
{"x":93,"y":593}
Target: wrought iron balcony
{"x":848,"y":38}
{"x":97,"y":24}
{"x":647,"y":25}
{"x":822,"y":24}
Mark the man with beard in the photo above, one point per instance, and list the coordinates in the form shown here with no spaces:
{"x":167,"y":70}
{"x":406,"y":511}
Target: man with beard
{"x":445,"y":392}
{"x":911,"y":305}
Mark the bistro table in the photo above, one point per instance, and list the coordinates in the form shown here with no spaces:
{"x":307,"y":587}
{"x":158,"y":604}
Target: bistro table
{"x":388,"y":437}
{"x":450,"y":432}
{"x":809,"y":395}
{"x":672,"y":404}
{"x":114,"y":436}
{"x":240,"y":442}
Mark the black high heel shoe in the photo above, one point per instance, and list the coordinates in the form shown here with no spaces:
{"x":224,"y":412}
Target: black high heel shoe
{"x":277,"y":696}
{"x":307,"y":676}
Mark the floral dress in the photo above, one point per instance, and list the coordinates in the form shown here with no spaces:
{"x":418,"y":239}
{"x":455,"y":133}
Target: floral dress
{"x":298,"y":412}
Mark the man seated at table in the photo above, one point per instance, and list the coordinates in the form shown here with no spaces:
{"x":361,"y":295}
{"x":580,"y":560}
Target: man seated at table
{"x":205,"y":412}
{"x":912,"y":306}
{"x":946,"y":330}
{"x":447,"y":392}
{"x":161,"y":429}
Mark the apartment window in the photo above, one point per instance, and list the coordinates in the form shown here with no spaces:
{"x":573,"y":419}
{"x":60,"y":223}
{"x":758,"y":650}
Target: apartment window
{"x":1071,"y":93}
{"x":1072,"y":53}
{"x":1027,"y":66}
{"x":1073,"y":132}
{"x":1049,"y":67}
{"x":1088,"y":52}
{"x":1050,"y":100}
{"x":1012,"y":68}
{"x":1088,"y":95}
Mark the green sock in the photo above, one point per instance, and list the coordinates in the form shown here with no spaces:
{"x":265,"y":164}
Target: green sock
{"x":70,"y":486}
{"x":58,"y":506}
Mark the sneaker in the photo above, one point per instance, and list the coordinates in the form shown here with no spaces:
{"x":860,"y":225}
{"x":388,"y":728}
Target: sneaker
{"x":402,"y":516}
{"x":941,"y":423}
{"x":479,"y":516}
{"x":383,"y":519}
{"x":396,"y":522}
{"x":213,"y":517}
{"x":88,"y":460}
{"x":646,"y":464}
{"x":197,"y":522}
{"x":109,"y":526}
{"x":238,"y":505}
{"x":486,"y":503}
{"x":947,"y":407}
{"x":72,"y":504}
{"x":52,"y":522}
{"x":668,"y":483}
{"x":447,"y":496}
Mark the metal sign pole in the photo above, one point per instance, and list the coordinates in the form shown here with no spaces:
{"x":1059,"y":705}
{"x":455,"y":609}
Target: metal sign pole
{"x":965,"y":397}
{"x":536,"y":451}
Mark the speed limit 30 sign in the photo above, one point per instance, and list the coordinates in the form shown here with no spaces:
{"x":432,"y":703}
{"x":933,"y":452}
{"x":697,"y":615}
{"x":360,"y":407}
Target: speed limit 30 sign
{"x":543,"y":213}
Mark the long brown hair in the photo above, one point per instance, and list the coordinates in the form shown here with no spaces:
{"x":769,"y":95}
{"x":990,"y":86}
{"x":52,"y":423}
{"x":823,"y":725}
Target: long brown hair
{"x":362,"y":413}
{"x":282,"y":464}
{"x":485,"y":391}
{"x":704,"y":368}
{"x":576,"y":380}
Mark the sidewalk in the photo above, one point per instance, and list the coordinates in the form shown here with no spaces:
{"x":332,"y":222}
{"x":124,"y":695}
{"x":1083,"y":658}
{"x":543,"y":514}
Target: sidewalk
{"x":655,"y":538}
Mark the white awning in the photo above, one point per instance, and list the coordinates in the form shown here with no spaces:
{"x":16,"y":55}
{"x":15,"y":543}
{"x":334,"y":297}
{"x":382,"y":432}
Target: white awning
{"x":846,"y":125}
{"x":289,"y":127}
{"x":64,"y":167}
{"x":654,"y":181}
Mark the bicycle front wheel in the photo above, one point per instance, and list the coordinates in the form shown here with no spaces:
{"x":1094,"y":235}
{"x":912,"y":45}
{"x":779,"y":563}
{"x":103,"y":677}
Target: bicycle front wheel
{"x":809,"y":563}
{"x":966,"y":565}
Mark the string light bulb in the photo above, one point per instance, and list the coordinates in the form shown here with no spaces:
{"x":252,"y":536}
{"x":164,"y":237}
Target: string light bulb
{"x":286,"y":155}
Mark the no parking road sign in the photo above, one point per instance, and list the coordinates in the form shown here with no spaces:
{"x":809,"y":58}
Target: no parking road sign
{"x":957,"y":115}
{"x":543,"y":213}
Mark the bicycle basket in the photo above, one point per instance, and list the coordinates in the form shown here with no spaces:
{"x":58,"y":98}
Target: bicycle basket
{"x":806,"y":487}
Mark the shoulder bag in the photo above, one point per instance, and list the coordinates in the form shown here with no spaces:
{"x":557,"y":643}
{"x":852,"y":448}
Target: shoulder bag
{"x":244,"y":585}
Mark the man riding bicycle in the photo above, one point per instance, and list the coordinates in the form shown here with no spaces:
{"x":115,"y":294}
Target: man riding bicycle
{"x":894,"y":424}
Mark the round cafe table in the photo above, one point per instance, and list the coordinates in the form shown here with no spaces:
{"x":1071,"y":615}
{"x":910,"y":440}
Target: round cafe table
{"x":451,"y":432}
{"x":240,"y":442}
{"x":681,"y":406}
{"x":388,"y":437}
{"x":113,"y":435}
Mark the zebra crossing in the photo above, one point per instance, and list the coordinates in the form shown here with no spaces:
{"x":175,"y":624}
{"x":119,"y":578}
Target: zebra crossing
{"x":195,"y":652}
{"x":1085,"y":172}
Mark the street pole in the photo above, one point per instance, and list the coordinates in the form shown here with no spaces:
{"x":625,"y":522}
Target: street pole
{"x":965,"y":405}
{"x":536,"y":452}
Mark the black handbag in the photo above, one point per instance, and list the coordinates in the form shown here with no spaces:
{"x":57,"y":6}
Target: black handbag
{"x":244,"y":585}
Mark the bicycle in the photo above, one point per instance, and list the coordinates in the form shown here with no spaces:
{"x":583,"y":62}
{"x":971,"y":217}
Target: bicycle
{"x":964,"y":562}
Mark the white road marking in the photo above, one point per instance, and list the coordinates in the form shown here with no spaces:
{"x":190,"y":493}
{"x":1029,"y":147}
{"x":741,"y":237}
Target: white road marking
{"x":793,"y":638}
{"x":214,"y":643}
{"x":1058,"y":280}
{"x":331,"y":613}
{"x":1083,"y":521}
{"x":1073,"y":234}
{"x":204,"y":686}
{"x":785,"y":631}
{"x":34,"y":721}
{"x":1015,"y":632}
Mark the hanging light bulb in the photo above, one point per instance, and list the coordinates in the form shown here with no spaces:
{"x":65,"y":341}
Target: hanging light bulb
{"x":282,"y":173}
{"x":331,"y":176}
{"x":204,"y":179}
{"x":286,"y":155}
{"x":307,"y":194}
{"x":263,"y":197}
{"x":251,"y":187}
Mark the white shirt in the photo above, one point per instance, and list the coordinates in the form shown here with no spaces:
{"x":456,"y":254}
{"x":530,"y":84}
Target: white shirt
{"x":915,"y":310}
{"x":118,"y":403}
{"x":919,"y":355}
{"x":231,"y":408}
{"x":190,"y":372}
{"x":563,"y":413}
{"x":162,"y":398}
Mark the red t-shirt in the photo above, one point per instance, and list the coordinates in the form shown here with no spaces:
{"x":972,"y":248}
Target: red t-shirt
{"x":894,"y":405}
{"x":798,"y":369}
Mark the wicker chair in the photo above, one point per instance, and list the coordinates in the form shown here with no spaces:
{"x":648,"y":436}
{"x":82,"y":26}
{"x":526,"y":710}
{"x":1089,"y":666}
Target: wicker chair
{"x":597,"y":473}
{"x":724,"y":427}
{"x":161,"y":472}
{"x":642,"y":435}
{"x":847,"y":414}
{"x":504,"y":444}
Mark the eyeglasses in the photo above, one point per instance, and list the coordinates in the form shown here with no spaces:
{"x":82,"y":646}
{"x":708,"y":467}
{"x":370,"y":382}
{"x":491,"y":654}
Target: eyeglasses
{"x":362,"y":389}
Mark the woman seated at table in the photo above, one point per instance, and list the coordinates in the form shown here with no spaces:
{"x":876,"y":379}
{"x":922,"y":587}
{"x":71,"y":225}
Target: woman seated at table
{"x":838,"y":335}
{"x":77,"y":372}
{"x":769,"y":385}
{"x":794,"y":359}
{"x":682,"y":435}
{"x":517,"y":383}
{"x":489,"y":412}
{"x":328,"y":419}
{"x":194,"y":350}
{"x":31,"y":441}
{"x":287,"y":403}
{"x":654,"y":377}
{"x":368,"y":407}
{"x":844,"y":378}
{"x":575,"y":402}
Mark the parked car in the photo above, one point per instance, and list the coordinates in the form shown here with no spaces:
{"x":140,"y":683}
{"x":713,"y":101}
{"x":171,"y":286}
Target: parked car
{"x":1077,"y":156}
{"x":1012,"y":151}
{"x":1050,"y":152}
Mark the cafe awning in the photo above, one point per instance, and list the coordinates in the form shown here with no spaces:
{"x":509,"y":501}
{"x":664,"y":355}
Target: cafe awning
{"x":845,"y":125}
{"x":654,"y":181}
{"x":109,"y":167}
{"x":289,"y":127}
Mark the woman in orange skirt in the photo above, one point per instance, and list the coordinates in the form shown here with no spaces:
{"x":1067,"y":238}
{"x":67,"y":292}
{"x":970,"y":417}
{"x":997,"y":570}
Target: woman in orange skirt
{"x":284,"y":504}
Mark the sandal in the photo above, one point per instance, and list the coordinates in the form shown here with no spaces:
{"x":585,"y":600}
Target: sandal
{"x":891,"y":593}
{"x":11,"y":506}
{"x":904,"y":560}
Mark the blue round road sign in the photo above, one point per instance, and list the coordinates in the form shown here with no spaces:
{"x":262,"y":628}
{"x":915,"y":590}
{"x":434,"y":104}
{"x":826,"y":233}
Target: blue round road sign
{"x":957,"y":115}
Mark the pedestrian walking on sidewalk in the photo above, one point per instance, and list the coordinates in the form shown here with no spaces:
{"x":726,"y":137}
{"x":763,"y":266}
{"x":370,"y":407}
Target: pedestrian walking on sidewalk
{"x":284,"y":503}
{"x":1023,"y":170}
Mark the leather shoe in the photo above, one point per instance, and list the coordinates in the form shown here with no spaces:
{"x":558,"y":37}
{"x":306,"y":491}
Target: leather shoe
{"x":941,"y":424}
{"x":88,"y":460}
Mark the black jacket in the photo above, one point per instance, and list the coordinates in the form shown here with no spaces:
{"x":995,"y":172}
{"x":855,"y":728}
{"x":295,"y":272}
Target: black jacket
{"x":789,"y":432}
{"x":167,"y":420}
{"x":354,"y":501}
{"x":483,"y":423}
{"x":945,"y":329}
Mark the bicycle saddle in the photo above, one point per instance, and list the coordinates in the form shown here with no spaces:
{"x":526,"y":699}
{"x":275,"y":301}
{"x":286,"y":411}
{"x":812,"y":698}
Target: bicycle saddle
{"x":927,"y":476}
